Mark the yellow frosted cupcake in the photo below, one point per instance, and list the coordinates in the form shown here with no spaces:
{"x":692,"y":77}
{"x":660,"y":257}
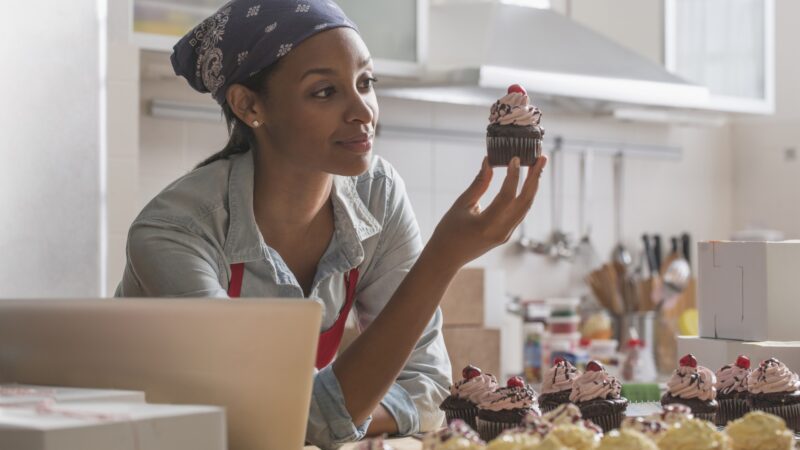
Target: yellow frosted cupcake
{"x":695,"y":434}
{"x":760,"y":431}
{"x":627,"y":440}
{"x":576,"y":437}
{"x":515,"y":439}
{"x":653,"y":429}
{"x":456,"y":436}
{"x":549,"y":443}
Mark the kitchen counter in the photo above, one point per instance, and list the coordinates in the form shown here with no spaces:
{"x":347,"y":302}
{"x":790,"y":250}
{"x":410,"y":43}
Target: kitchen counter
{"x":407,"y":443}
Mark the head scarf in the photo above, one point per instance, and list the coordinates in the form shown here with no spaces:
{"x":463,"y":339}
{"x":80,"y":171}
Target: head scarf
{"x":246,"y":36}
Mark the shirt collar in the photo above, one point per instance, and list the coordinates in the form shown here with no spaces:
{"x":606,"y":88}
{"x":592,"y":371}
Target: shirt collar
{"x":353,"y":221}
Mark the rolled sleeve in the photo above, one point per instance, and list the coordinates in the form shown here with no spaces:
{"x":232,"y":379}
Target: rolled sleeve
{"x":329,"y":423}
{"x":414,"y":398}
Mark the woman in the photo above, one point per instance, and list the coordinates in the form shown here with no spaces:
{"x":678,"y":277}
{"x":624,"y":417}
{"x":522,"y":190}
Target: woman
{"x":297,"y":206}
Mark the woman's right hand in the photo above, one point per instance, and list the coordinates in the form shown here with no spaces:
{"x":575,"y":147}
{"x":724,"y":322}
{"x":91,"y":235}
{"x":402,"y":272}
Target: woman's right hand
{"x":466,"y":232}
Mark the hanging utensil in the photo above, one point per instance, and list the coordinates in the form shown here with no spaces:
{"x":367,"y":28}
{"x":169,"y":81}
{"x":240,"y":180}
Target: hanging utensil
{"x":622,"y":256}
{"x":677,"y":274}
{"x":586,"y":258}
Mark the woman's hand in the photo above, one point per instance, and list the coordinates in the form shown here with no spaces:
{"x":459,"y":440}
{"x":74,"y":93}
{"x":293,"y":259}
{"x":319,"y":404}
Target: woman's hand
{"x":465,"y":232}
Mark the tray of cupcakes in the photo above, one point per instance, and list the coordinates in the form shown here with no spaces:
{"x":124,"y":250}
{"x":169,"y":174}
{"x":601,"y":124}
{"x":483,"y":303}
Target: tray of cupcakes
{"x":735,"y":407}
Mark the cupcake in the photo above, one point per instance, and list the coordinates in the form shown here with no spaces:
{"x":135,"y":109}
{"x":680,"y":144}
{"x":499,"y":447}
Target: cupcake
{"x":457,"y":435}
{"x":672,"y":414}
{"x":653,"y":429}
{"x":557,"y":384}
{"x":568,"y":414}
{"x":505,"y":408}
{"x":759,"y":430}
{"x":516,"y":438}
{"x":576,"y":437}
{"x":514,"y":129}
{"x":774,"y":388}
{"x":696,"y":435}
{"x":596,"y":393}
{"x":627,"y":439}
{"x":462,"y":403}
{"x":732,"y":390}
{"x":693,"y":386}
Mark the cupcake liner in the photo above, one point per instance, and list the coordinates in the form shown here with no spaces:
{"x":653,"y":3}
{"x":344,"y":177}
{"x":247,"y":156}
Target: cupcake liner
{"x":489,"y":430}
{"x":466,"y":414}
{"x":789,"y":413}
{"x":731,"y":409}
{"x":502,"y":149}
{"x":608,"y":422}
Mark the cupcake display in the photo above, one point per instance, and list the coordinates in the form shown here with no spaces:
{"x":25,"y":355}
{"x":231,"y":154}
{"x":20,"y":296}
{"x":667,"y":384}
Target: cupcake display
{"x":693,"y":385}
{"x":466,"y":394}
{"x":557,"y":384}
{"x":514,"y":129}
{"x":732,"y":390}
{"x":597,"y":395}
{"x":774,"y":388}
{"x":505,"y":408}
{"x":457,"y":435}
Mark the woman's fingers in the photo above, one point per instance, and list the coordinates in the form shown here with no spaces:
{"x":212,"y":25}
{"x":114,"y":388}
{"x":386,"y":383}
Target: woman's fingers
{"x":531,"y":185}
{"x":508,"y":191}
{"x":479,"y":185}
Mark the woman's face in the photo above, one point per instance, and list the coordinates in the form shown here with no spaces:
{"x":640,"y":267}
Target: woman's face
{"x":320,"y":108}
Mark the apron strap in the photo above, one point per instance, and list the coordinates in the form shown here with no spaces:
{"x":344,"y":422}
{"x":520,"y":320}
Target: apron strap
{"x":330,"y":339}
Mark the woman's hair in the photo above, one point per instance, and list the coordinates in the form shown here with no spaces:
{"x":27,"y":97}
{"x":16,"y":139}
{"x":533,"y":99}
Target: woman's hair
{"x":240,"y":135}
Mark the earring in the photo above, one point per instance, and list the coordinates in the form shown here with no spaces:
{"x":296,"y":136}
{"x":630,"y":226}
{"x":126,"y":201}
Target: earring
{"x":256,"y":124}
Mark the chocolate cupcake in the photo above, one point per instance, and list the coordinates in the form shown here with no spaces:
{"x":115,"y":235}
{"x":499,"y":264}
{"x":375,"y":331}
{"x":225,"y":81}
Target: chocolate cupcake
{"x":775,"y":389}
{"x":693,"y":386}
{"x":732,"y":392}
{"x":596,"y":394}
{"x":505,"y":408}
{"x":514,"y":129}
{"x":557,"y":384}
{"x":462,"y":403}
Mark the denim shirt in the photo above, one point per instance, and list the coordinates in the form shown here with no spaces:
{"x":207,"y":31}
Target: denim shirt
{"x":184,"y":241}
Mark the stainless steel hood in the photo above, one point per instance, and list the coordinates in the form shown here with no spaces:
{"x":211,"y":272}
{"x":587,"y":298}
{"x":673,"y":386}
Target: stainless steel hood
{"x":477,"y":49}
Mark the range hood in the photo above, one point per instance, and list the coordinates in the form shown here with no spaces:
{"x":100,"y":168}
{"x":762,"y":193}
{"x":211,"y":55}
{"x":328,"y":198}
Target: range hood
{"x":477,"y":49}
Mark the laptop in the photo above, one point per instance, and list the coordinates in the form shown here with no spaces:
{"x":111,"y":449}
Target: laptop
{"x":254,"y":357}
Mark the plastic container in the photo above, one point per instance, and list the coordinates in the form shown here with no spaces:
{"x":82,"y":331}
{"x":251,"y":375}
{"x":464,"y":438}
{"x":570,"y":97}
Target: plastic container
{"x":560,"y":307}
{"x":563,"y":345}
{"x":563,"y":324}
{"x":532,"y":351}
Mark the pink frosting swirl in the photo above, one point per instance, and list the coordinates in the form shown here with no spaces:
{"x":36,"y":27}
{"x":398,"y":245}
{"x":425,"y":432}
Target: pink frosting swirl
{"x":772,"y":376}
{"x":693,"y":382}
{"x":513,"y":109}
{"x":475,"y":388}
{"x":595,"y":384}
{"x":509,"y":398}
{"x":732,"y":378}
{"x":559,"y":377}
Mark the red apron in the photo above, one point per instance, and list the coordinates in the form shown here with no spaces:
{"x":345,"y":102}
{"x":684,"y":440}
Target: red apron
{"x":330,"y":339}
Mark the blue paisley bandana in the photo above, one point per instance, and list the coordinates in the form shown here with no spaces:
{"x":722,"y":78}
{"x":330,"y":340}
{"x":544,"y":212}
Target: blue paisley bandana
{"x":247,"y":36}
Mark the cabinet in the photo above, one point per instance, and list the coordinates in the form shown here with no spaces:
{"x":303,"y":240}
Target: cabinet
{"x":727,"y":46}
{"x":395,"y":30}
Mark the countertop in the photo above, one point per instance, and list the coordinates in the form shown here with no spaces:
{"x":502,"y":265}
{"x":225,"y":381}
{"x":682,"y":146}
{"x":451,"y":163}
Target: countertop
{"x":407,"y":443}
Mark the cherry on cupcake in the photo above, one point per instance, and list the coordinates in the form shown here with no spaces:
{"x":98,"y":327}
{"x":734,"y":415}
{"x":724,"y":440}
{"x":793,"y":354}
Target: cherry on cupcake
{"x":470,"y":372}
{"x":689,"y":361}
{"x":516,"y":382}
{"x":743,"y":362}
{"x":517,"y":88}
{"x":558,"y":360}
{"x":594,"y":366}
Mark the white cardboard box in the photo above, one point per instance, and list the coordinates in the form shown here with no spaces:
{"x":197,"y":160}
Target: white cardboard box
{"x":714,"y":353}
{"x":126,"y":426}
{"x":18,"y":394}
{"x":749,"y":290}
